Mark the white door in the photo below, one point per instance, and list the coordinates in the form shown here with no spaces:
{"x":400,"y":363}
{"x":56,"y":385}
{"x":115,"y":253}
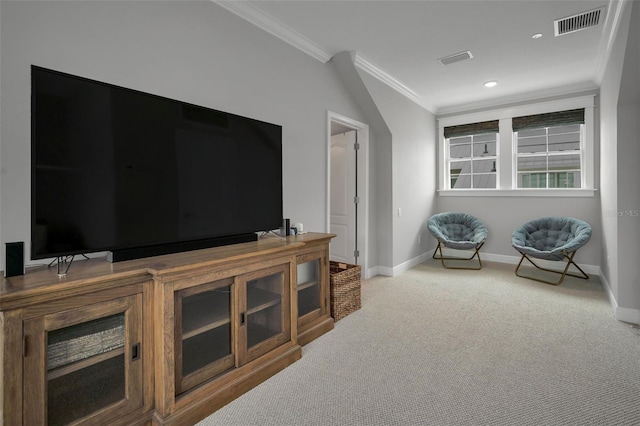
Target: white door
{"x":343,"y":193}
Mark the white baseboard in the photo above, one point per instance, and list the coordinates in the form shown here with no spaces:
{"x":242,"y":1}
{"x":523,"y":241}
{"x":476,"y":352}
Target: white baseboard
{"x":628,"y":315}
{"x":621,"y":314}
{"x":490,"y":257}
{"x":397,"y":270}
{"x":379,"y":270}
{"x":513,"y":260}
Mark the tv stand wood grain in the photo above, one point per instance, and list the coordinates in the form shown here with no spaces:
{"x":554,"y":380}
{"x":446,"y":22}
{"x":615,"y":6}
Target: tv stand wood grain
{"x":156,"y":374}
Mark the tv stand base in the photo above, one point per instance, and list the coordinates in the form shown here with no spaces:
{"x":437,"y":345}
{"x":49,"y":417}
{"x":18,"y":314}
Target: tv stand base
{"x":158,"y":250}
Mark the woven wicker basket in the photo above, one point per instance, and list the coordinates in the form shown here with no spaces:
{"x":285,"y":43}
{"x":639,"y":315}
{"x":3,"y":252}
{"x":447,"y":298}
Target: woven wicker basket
{"x":344,"y":289}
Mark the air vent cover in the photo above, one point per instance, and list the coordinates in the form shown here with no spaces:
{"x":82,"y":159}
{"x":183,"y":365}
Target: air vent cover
{"x":447,"y":60}
{"x":578,"y":22}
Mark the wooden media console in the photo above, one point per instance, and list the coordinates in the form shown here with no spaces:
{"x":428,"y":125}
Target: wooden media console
{"x":161,"y":340}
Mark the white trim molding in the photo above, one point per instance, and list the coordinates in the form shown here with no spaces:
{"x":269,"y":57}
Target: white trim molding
{"x":405,"y":266}
{"x":621,"y":314}
{"x":261,"y":19}
{"x":514,"y":260}
{"x":507,"y":185}
{"x":560,"y":192}
{"x":615,"y":11}
{"x":362,"y":130}
{"x":268,"y":23}
{"x":387,"y":79}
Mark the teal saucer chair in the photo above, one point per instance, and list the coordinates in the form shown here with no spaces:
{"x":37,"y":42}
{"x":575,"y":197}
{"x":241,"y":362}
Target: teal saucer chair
{"x":551,"y":238}
{"x":459,"y":231}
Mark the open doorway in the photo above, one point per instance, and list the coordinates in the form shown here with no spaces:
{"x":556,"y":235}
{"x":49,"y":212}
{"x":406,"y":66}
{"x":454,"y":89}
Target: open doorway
{"x":347,"y":195}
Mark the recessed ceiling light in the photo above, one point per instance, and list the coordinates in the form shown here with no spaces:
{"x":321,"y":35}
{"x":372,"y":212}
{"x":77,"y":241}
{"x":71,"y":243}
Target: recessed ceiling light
{"x":538,"y":35}
{"x":492,"y":83}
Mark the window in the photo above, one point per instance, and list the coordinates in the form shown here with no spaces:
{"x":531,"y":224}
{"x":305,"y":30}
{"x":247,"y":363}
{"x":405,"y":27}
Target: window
{"x":549,"y":150}
{"x":472,"y":155}
{"x":538,"y":149}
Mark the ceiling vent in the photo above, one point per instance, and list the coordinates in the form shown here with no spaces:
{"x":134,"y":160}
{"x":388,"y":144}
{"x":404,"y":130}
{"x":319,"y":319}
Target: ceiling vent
{"x":578,"y":22}
{"x":447,"y":60}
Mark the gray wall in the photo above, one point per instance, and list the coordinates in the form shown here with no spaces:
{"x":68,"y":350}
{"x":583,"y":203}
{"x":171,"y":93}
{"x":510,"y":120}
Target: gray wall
{"x":403,"y":158}
{"x":191,"y":51}
{"x":503,"y":214}
{"x":620,"y":156}
{"x":379,"y":250}
{"x":413,"y":159}
{"x":629,"y":169}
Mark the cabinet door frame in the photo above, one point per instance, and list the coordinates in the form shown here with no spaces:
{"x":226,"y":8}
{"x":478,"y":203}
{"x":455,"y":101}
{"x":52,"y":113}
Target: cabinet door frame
{"x":245,"y":352}
{"x":323,"y":308}
{"x":185,"y":383}
{"x":35,"y":370}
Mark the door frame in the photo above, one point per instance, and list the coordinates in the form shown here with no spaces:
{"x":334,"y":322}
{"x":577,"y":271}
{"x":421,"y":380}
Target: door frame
{"x":362,"y":131}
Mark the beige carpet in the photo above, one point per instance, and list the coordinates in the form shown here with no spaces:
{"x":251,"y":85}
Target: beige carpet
{"x":447,"y":347}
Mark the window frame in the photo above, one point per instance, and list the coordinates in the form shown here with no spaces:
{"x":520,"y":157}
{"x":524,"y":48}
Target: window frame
{"x":507,"y":155}
{"x":548,"y":154}
{"x":471,"y":159}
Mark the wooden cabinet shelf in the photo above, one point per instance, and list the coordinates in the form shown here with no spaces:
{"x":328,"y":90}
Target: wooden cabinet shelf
{"x":213,"y":309}
{"x":87,"y":391}
{"x":261,"y":299}
{"x":306,"y":285}
{"x":85,"y":363}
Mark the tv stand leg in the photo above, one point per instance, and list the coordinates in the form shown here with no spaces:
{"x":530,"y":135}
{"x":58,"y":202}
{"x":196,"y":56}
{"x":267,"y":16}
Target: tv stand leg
{"x":58,"y":261}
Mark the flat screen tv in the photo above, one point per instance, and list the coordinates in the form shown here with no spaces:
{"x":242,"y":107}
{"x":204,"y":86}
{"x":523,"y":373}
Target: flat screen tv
{"x":136,"y":174}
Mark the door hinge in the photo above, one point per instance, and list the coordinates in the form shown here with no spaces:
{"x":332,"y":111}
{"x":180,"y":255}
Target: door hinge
{"x":356,"y":199}
{"x":356,"y":253}
{"x":356,"y":146}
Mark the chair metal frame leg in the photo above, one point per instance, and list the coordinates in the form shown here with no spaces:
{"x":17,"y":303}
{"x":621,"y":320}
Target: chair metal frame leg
{"x":568,"y":257}
{"x":443,"y":258}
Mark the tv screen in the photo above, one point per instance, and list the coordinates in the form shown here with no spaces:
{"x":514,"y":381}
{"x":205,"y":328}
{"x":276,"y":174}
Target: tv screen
{"x":115,"y":169}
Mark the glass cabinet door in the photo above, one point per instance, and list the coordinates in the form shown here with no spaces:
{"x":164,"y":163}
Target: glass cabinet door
{"x":308,"y":286}
{"x":310,"y":279}
{"x":92,"y":363}
{"x":204,"y":330}
{"x":266,"y":314}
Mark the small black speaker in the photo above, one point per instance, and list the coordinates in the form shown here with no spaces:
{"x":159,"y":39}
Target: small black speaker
{"x":14,"y":259}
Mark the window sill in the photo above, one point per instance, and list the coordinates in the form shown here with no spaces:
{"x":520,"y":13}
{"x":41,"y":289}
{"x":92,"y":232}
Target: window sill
{"x":586,"y":193}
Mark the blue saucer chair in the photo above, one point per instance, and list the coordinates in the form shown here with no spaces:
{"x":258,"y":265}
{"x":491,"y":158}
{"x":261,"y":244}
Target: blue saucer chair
{"x":459,"y":231}
{"x":551,"y":238}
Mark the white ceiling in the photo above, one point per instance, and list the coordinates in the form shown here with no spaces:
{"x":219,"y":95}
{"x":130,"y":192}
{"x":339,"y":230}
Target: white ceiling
{"x":400,"y":43}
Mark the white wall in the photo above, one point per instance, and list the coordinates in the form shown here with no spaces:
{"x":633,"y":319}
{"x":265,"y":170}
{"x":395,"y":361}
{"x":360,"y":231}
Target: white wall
{"x":191,"y":51}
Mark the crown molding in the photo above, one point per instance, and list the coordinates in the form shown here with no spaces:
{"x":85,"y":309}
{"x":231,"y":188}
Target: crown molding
{"x":614,"y":15}
{"x":266,"y":22}
{"x":386,"y":78}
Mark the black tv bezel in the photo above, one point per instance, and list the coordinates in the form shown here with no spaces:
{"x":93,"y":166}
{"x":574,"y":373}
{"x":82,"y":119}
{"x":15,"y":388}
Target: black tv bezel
{"x":133,"y":251}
